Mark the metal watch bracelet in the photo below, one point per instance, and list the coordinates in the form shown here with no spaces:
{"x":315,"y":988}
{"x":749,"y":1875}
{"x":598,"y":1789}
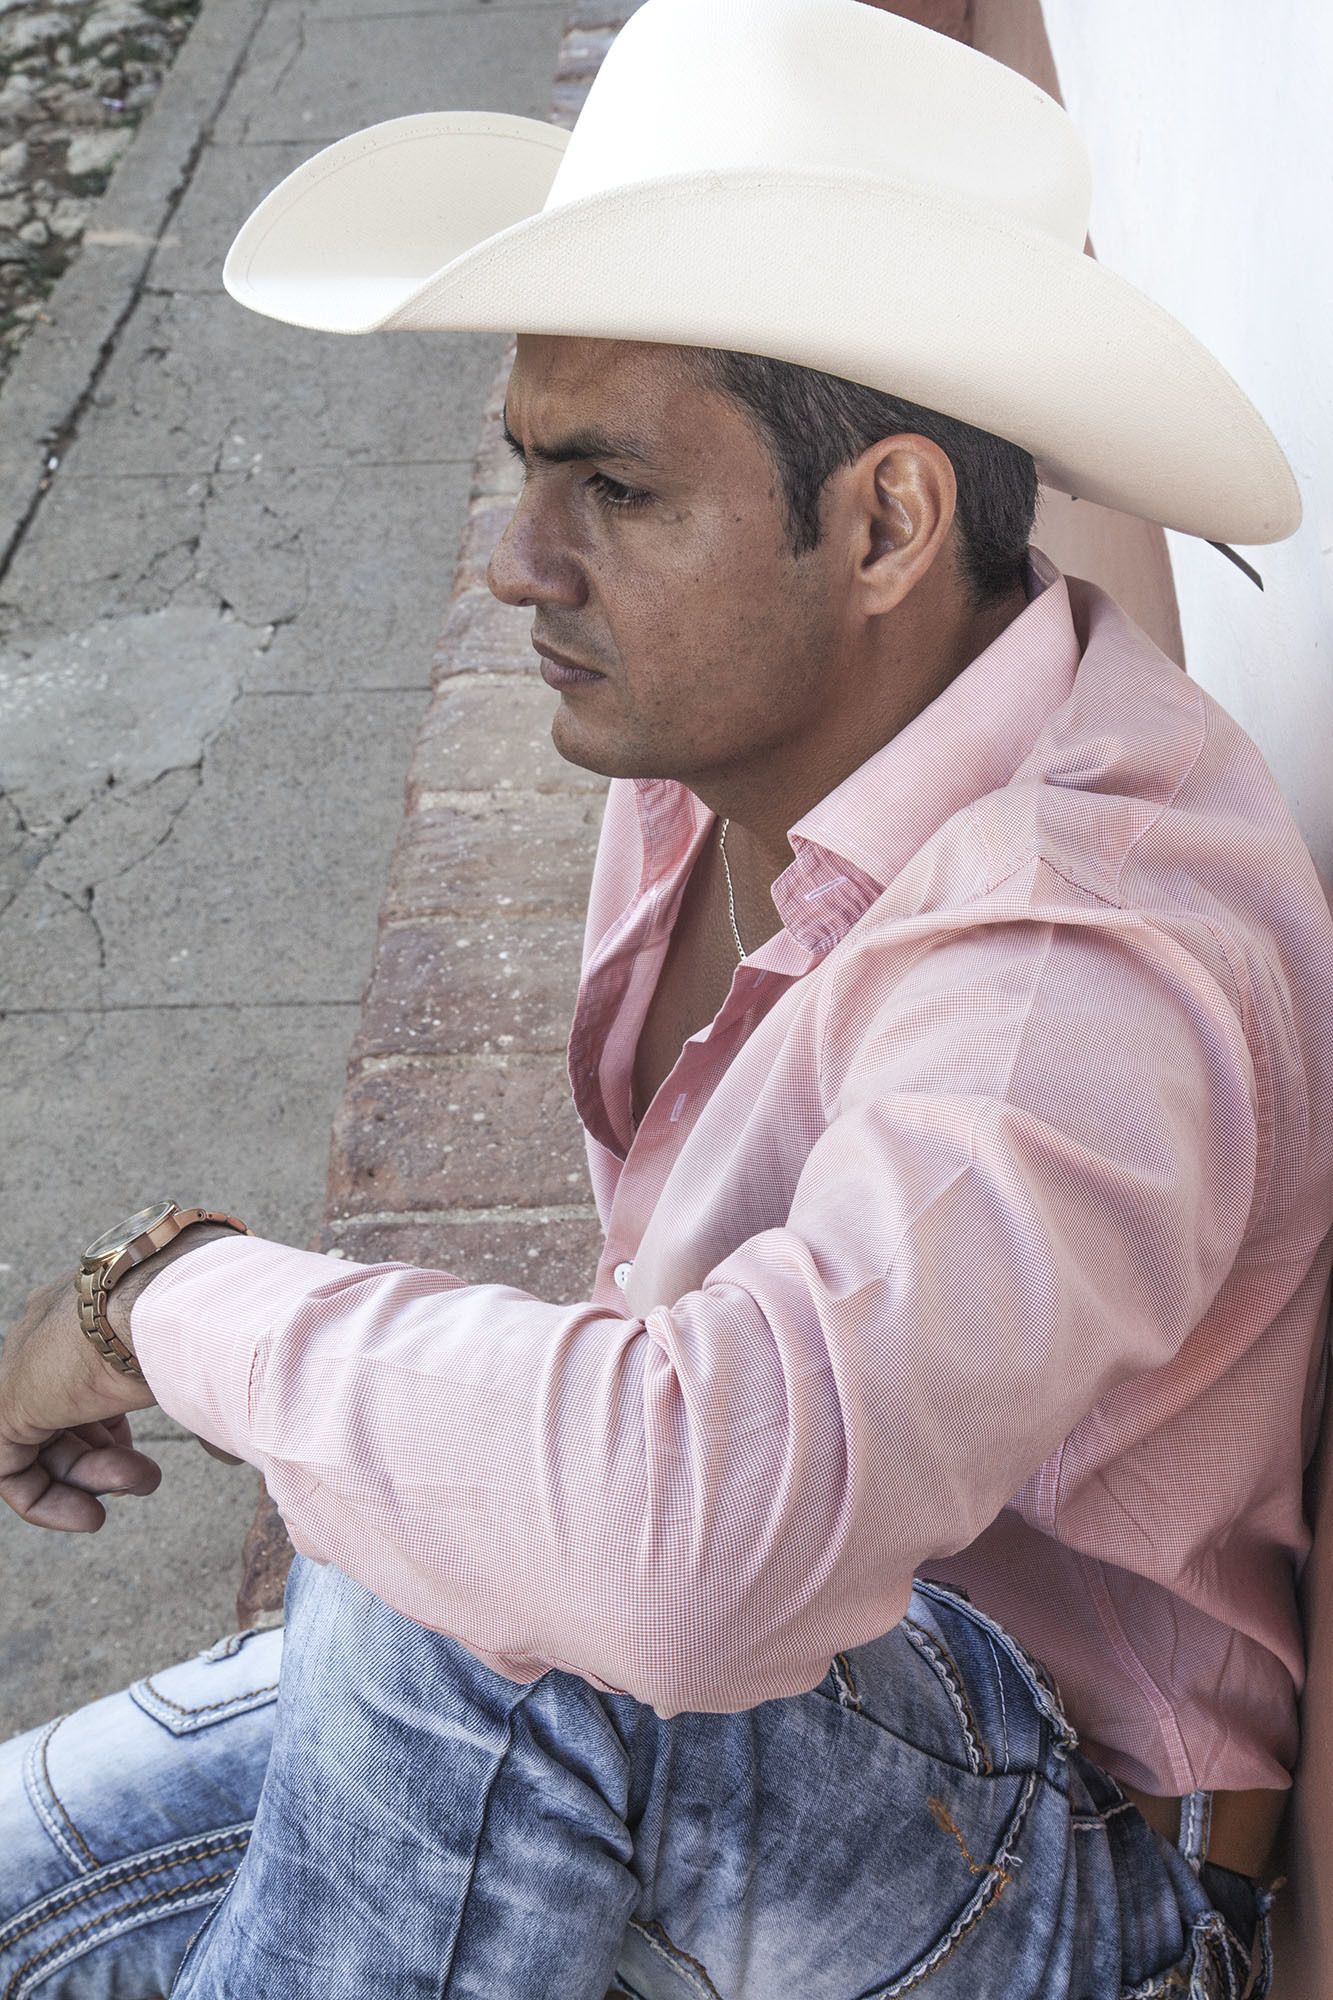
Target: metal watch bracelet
{"x":94,"y":1291}
{"x":93,"y":1295}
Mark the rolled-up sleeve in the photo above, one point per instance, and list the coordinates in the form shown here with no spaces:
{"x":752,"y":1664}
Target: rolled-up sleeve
{"x":1038,"y":1160}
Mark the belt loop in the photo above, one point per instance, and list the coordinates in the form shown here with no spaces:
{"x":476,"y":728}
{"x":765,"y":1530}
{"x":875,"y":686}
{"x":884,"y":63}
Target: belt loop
{"x":1260,"y":1982}
{"x":1196,"y":1821}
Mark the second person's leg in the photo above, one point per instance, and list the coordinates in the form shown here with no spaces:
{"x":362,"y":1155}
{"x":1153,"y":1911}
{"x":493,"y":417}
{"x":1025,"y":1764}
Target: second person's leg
{"x":122,"y":1823}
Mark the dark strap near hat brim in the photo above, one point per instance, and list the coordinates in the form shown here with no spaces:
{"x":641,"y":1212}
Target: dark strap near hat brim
{"x":1239,"y":561}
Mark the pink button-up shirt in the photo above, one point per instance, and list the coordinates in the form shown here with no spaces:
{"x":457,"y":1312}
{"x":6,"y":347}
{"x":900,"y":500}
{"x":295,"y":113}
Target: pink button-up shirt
{"x":983,"y":1234}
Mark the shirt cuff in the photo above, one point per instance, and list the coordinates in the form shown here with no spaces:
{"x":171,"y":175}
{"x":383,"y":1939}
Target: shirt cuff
{"x":198,"y":1325}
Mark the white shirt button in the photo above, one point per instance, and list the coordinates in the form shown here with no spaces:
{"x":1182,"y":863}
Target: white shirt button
{"x":621,"y":1274}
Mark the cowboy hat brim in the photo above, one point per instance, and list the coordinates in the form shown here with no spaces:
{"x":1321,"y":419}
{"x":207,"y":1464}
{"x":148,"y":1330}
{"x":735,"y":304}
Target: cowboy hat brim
{"x":436,"y":221}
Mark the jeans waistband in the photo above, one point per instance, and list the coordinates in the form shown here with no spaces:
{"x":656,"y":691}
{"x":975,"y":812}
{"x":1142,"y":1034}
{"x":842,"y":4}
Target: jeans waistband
{"x":1017,"y":1705}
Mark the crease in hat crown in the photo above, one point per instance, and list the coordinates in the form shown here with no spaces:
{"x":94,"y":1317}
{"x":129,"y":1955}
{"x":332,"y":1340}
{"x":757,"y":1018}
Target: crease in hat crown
{"x":820,"y":181}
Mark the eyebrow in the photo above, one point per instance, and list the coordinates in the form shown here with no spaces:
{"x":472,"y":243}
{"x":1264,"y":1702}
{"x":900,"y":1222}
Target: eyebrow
{"x":583,"y":444}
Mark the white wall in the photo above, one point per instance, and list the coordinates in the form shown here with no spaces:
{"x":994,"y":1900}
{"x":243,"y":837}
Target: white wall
{"x":1210,"y":125}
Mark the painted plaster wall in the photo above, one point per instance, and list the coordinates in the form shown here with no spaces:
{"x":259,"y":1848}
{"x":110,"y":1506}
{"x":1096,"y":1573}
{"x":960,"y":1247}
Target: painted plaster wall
{"x":1212,"y":151}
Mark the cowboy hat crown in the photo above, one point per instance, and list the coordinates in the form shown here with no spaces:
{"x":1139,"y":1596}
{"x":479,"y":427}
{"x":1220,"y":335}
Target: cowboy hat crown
{"x":1018,"y":152}
{"x":815,"y":180}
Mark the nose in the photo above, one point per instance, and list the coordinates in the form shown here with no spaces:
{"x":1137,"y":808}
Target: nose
{"x":532,"y":563}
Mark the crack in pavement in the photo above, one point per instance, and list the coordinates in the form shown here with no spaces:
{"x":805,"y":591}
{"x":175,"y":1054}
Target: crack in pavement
{"x":56,"y":440}
{"x":85,"y":909}
{"x":48,"y":1058}
{"x":296,"y":49}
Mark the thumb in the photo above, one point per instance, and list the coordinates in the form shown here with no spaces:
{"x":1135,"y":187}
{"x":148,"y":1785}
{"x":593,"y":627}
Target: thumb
{"x":216,"y":1451}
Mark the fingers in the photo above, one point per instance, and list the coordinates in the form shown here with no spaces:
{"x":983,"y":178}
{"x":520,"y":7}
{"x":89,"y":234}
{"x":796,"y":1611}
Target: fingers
{"x":108,"y":1431}
{"x":56,"y":1487}
{"x":45,"y":1503}
{"x":94,"y":1468}
{"x":216,"y":1451}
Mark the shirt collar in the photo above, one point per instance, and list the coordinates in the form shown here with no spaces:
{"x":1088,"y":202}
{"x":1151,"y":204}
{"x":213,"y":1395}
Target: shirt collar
{"x":967,"y":742}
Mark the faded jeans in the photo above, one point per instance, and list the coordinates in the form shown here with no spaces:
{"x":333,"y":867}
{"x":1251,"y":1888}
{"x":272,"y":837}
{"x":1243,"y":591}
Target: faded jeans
{"x":395,"y":1819}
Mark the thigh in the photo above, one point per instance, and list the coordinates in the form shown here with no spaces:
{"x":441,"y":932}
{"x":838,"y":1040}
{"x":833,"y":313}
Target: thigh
{"x":852,"y":1841}
{"x":123,"y":1822}
{"x":425,"y":1827}
{"x":923,"y":1814}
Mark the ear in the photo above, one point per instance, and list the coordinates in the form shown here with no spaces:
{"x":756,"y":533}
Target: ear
{"x":904,"y":498}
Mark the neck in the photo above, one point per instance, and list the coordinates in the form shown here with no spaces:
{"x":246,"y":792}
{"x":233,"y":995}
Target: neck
{"x":762,"y":804}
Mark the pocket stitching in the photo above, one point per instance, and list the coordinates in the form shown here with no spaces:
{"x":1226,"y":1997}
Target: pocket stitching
{"x":1178,"y":1978}
{"x":946,"y":1671}
{"x":182,"y":1718}
{"x":985,"y":1899}
{"x":155,"y":1694}
{"x":1041,"y":1682}
{"x":228,"y":1647}
{"x":59,"y":1944}
{"x":43,"y":1796}
{"x":51,"y":1908}
{"x":678,"y":1959}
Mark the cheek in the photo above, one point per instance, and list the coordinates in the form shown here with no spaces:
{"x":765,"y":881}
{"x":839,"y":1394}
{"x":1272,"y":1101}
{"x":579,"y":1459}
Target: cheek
{"x":702,"y":607}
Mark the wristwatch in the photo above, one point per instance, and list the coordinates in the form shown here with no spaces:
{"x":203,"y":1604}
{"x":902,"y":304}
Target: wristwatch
{"x":105,"y":1262}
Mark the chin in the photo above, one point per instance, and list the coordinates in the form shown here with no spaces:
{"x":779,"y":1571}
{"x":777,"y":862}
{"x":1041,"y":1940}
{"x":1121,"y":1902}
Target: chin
{"x":605,"y":757}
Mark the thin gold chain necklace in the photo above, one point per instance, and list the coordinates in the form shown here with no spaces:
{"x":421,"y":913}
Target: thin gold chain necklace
{"x":731,"y":893}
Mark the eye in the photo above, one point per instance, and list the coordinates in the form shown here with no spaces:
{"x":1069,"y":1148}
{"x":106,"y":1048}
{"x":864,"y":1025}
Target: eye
{"x":611,"y":493}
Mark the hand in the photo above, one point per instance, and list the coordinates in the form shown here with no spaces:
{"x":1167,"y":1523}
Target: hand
{"x":64,"y":1419}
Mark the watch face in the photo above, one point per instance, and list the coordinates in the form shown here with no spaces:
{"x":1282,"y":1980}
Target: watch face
{"x":115,"y":1239}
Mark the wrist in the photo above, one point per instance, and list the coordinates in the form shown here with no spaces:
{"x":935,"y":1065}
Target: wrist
{"x":123,"y":1297}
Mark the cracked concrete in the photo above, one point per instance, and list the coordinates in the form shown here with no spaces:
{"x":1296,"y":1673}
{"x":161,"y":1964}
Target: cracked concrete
{"x":264,"y":541}
{"x":216,"y":626}
{"x":111,"y":706}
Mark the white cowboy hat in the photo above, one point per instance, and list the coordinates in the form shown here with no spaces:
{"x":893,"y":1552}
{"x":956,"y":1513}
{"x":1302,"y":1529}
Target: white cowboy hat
{"x":809,"y":179}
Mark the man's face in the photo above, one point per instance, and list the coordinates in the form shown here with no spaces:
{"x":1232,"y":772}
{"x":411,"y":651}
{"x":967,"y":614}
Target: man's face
{"x":658,"y":556}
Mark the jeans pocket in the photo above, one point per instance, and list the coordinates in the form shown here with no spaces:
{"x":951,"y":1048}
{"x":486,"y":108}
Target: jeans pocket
{"x":1216,"y":1967}
{"x":236,"y":1674}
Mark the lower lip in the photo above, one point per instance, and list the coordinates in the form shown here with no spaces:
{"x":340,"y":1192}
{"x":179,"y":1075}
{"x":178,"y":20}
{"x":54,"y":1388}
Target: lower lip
{"x":557,"y":676}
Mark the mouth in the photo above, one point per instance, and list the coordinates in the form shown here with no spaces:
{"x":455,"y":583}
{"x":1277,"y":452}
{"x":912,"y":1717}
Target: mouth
{"x":558,"y":671}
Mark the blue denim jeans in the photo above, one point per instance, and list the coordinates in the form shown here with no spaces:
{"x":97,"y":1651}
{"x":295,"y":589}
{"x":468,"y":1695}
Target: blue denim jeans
{"x":393,"y":1819}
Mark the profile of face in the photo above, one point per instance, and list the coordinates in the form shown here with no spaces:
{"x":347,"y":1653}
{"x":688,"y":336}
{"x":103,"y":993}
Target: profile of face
{"x":651,"y":540}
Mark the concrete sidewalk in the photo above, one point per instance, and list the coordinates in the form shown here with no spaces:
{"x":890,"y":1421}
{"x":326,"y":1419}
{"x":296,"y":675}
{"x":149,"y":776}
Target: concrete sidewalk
{"x":217,"y":623}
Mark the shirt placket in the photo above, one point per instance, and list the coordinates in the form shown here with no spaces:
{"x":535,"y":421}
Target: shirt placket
{"x":674,"y":1110}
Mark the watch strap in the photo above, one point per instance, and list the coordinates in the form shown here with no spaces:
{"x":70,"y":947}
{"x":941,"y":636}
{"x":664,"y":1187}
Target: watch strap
{"x":92,"y":1288}
{"x":96,"y":1280}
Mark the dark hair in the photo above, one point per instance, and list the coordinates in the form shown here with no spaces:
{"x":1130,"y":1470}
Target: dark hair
{"x":814,"y":423}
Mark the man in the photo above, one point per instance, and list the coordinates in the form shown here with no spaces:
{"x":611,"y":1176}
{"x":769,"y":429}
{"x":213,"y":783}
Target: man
{"x":951,"y":1045}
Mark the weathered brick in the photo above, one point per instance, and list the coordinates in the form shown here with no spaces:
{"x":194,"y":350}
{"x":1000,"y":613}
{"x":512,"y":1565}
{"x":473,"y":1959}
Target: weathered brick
{"x":529,"y":855}
{"x":552,"y":1256}
{"x":493,"y":407}
{"x":496,"y":472}
{"x":483,"y":636}
{"x":425,"y":1134}
{"x":455,"y":989}
{"x":482,"y":737}
{"x":581,"y":54}
{"x":266,"y":1557}
{"x":478,"y":953}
